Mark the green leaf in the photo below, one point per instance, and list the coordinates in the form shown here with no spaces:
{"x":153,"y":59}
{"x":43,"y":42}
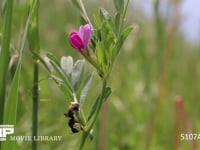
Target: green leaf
{"x":124,"y":35}
{"x":5,"y":53}
{"x":93,"y":43}
{"x":77,"y":73}
{"x":107,"y":93}
{"x":117,"y":23}
{"x":93,"y":108}
{"x":121,"y":39}
{"x":48,"y":64}
{"x":100,"y":54}
{"x":61,"y":74}
{"x":45,"y":63}
{"x":67,"y":64}
{"x":53,"y":58}
{"x":119,"y":5}
{"x":104,"y":15}
{"x":97,"y":21}
{"x":94,"y":105}
{"x":85,"y":89}
{"x":33,"y":32}
{"x":99,"y":37}
{"x":107,"y":39}
{"x":67,"y":92}
{"x":11,"y":106}
{"x":11,"y":102}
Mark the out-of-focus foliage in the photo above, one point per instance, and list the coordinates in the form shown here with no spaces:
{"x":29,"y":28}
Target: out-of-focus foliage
{"x":137,"y":110}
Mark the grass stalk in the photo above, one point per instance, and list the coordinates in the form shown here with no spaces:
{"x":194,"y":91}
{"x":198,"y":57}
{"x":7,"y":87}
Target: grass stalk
{"x":34,"y":47}
{"x":35,"y":98}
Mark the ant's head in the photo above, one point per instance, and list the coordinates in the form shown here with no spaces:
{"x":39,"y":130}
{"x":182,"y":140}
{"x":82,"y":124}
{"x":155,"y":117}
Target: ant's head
{"x":74,"y":106}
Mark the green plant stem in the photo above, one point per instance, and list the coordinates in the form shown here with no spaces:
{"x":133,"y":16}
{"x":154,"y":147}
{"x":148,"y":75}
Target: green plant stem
{"x":90,"y":126}
{"x":87,"y":56}
{"x":34,"y":45}
{"x":35,"y":106}
{"x":4,"y":55}
{"x":82,"y":117}
{"x":83,"y":139}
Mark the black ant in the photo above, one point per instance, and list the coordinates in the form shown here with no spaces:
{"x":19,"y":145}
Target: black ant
{"x":74,"y":107}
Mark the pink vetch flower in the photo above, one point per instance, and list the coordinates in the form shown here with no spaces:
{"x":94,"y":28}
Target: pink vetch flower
{"x":80,"y":40}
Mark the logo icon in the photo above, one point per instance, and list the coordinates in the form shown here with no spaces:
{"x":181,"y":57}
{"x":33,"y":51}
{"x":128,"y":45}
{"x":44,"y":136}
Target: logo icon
{"x":5,"y":130}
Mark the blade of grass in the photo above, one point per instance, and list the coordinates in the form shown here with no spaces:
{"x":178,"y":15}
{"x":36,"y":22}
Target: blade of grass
{"x":11,"y":106}
{"x":12,"y":99}
{"x":4,"y":55}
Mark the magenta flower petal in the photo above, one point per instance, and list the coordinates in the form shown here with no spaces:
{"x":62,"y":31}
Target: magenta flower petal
{"x":80,"y":40}
{"x":76,"y":41}
{"x":81,"y":31}
{"x":85,"y":34}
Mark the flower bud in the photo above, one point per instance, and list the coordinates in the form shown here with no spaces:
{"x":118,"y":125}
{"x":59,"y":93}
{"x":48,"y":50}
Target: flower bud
{"x":80,"y":40}
{"x":76,"y":41}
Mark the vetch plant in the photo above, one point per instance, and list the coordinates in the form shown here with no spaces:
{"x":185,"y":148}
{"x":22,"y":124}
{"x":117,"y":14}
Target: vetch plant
{"x":99,"y":43}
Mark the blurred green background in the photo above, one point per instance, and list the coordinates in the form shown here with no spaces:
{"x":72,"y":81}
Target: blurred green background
{"x":156,"y":64}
